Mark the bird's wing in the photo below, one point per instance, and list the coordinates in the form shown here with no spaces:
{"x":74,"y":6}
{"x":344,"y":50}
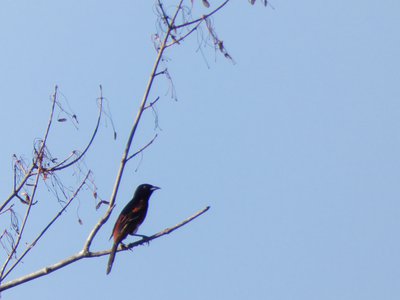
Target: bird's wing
{"x":124,"y":221}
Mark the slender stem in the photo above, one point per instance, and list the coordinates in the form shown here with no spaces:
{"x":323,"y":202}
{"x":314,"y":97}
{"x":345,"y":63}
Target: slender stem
{"x":177,"y":41}
{"x":132,"y":134}
{"x":143,"y":148}
{"x":38,"y":159}
{"x":20,"y":186}
{"x":165,"y":16}
{"x":63,"y":164}
{"x":48,"y":226}
{"x":202,"y":18}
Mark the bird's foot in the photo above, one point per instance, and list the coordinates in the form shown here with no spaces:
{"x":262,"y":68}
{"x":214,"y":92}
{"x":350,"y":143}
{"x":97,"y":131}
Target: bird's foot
{"x":123,"y":246}
{"x":144,"y":237}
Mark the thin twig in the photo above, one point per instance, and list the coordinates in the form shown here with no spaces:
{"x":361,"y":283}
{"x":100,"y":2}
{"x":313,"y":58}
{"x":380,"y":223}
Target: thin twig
{"x":8,"y":209}
{"x":199,"y":21}
{"x":165,"y":16}
{"x":143,"y":148}
{"x":65,"y":160}
{"x":202,"y":18}
{"x":62,"y":164}
{"x":48,"y":226}
{"x":16,"y":190}
{"x":15,"y":177}
{"x":177,"y":41}
{"x":39,"y":159}
{"x":151,"y":104}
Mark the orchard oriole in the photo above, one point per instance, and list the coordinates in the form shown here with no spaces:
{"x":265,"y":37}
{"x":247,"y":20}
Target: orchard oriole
{"x":130,"y":218}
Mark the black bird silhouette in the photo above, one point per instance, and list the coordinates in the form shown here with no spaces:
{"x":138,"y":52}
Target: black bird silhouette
{"x":130,"y":218}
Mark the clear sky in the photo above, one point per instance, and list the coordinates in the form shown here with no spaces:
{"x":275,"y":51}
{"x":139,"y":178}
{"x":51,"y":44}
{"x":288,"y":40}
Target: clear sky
{"x":296,"y":147}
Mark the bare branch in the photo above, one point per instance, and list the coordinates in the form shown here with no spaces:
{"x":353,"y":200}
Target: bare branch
{"x":143,"y":148}
{"x":21,"y":231}
{"x":158,"y":98}
{"x":29,"y":173}
{"x":132,"y":134}
{"x":165,"y":15}
{"x":38,"y":161}
{"x":177,"y":41}
{"x":48,"y":226}
{"x":41,"y":272}
{"x":86,"y":254}
{"x":64,"y":164}
{"x":167,"y":230}
{"x":202,"y":18}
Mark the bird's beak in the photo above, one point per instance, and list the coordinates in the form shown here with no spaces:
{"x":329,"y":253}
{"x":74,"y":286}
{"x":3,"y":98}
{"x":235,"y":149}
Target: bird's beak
{"x":153,"y":188}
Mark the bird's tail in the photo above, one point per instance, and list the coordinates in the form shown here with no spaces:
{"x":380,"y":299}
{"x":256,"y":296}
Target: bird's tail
{"x":112,"y":257}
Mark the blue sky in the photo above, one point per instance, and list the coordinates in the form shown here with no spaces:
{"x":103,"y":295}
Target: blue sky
{"x":295,"y":147}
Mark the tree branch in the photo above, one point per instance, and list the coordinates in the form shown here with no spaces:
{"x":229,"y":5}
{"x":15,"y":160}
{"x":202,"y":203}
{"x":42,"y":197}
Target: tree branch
{"x":38,"y":160}
{"x":167,"y":230}
{"x":48,"y":226}
{"x":165,"y":16}
{"x":86,"y":254}
{"x":28,"y":174}
{"x":63,"y":165}
{"x":132,"y":134}
{"x":143,"y":148}
{"x":202,"y":18}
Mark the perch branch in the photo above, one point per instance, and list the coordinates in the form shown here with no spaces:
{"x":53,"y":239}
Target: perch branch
{"x":86,"y":254}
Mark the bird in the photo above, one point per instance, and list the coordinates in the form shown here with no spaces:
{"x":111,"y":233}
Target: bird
{"x":130,"y":218}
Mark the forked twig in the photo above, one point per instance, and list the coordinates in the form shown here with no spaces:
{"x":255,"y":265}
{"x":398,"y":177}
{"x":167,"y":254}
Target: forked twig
{"x":48,"y":226}
{"x":64,"y":164}
{"x":186,"y":24}
{"x":143,"y":148}
{"x":132,"y":133}
{"x":38,"y":163}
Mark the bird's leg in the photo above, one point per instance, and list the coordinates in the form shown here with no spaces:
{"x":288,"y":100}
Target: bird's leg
{"x":144,"y":237}
{"x":123,"y":246}
{"x":141,"y":235}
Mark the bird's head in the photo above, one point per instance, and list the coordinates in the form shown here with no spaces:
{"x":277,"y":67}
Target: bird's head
{"x":146,"y":189}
